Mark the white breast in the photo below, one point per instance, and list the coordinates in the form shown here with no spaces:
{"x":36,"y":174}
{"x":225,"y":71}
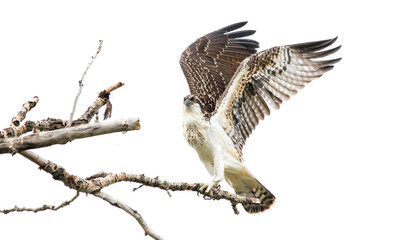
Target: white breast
{"x":208,"y":139}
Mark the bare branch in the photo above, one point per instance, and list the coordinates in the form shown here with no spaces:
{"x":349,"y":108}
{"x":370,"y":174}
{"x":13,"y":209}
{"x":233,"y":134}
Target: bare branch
{"x":113,"y":87}
{"x":138,"y":187}
{"x":234,"y":206}
{"x":51,"y":124}
{"x":15,"y":121}
{"x":43,"y":208}
{"x":62,"y":136}
{"x":102,"y":179}
{"x":130,"y":211}
{"x":21,"y":115}
{"x":87,"y":186}
{"x":103,"y":98}
{"x":81,"y":83}
{"x":107,"y":179}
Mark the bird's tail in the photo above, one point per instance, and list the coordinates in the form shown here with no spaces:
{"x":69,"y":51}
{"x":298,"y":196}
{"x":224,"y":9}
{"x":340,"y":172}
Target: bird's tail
{"x":247,"y":185}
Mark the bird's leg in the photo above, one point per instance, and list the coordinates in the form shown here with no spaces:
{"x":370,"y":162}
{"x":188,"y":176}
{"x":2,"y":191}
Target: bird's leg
{"x":217,"y":176}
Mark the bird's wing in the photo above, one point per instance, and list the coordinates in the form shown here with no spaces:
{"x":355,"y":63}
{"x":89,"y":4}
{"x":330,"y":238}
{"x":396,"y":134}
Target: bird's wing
{"x":266,"y":79}
{"x":210,"y":62}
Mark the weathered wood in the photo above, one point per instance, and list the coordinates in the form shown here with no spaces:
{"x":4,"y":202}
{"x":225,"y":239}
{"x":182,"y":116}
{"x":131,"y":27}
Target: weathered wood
{"x":62,"y":136}
{"x":17,"y":129}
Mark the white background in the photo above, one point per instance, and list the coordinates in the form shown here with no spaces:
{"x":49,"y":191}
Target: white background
{"x":335,"y":155}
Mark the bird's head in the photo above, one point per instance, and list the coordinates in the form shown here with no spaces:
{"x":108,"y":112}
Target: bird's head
{"x":192,"y":102}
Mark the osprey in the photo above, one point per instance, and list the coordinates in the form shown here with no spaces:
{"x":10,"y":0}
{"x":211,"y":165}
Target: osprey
{"x":231,"y":89}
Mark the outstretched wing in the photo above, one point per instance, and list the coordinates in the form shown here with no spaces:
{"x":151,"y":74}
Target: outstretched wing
{"x":210,"y":62}
{"x":268,"y":78}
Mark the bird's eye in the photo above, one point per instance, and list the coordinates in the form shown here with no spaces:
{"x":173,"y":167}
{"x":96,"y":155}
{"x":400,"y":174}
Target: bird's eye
{"x":184,"y":100}
{"x":194,"y":100}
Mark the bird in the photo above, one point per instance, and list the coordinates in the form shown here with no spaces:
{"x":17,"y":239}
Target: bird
{"x":232,"y":87}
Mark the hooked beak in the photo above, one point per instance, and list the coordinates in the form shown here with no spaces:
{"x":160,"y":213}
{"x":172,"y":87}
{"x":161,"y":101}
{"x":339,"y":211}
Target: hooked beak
{"x":188,"y":102}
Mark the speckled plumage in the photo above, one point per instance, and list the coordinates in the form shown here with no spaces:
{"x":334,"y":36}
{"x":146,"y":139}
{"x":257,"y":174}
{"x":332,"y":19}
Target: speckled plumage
{"x":236,"y":86}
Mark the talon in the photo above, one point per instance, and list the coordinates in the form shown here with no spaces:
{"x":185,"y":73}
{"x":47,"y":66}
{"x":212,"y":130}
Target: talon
{"x":202,"y":187}
{"x":206,"y":187}
{"x":209,"y":187}
{"x":217,"y":190}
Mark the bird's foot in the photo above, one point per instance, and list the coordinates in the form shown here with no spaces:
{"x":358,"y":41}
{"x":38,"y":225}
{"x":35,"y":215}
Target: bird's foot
{"x":206,"y":187}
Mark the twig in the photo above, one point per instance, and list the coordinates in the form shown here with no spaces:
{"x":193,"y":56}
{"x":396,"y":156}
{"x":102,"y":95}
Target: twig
{"x":43,"y":208}
{"x":113,"y":87}
{"x":138,"y":187}
{"x":81,"y":83}
{"x":62,"y":136}
{"x":234,"y":206}
{"x":130,"y":211}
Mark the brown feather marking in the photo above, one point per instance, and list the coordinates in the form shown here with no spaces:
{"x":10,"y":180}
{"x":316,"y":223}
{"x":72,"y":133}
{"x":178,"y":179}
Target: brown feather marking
{"x":271,"y":75}
{"x":210,"y":62}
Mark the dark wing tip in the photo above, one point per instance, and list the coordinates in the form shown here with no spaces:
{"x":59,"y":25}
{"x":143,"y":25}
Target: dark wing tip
{"x":313,"y":46}
{"x":325,"y":63}
{"x":333,"y":61}
{"x":232,"y":27}
{"x":327,"y":68}
{"x":237,"y":36}
{"x":240,"y":34}
{"x":322,"y":53}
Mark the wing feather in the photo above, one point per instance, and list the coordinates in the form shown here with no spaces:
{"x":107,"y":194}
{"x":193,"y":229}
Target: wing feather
{"x":270,"y":76}
{"x":210,"y":62}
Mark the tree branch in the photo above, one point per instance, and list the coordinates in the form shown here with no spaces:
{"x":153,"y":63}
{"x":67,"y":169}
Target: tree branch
{"x":81,"y":81}
{"x":62,"y":136}
{"x":103,"y":179}
{"x":130,"y":211}
{"x":87,"y":186}
{"x":21,"y":115}
{"x":100,"y":180}
{"x":10,"y":142}
{"x":43,"y":208}
{"x":103,"y":98}
{"x":51,"y":124}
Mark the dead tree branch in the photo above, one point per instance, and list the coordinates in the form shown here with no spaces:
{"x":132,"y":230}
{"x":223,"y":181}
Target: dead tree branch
{"x":95,"y":183}
{"x":43,"y":208}
{"x":21,"y":115}
{"x":51,"y":124}
{"x":88,"y":186}
{"x":62,"y":136}
{"x":130,"y":211}
{"x":10,"y":138}
{"x":103,"y":98}
{"x":81,"y":83}
{"x":101,"y":180}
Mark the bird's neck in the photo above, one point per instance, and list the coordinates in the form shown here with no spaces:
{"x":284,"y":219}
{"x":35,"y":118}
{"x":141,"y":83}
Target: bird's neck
{"x":194,"y":125}
{"x":192,"y":117}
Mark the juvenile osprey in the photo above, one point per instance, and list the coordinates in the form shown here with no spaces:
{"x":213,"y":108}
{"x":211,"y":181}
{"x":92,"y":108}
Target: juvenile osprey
{"x":231,"y":87}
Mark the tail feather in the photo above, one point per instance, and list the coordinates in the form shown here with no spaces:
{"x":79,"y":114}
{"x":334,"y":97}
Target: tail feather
{"x":248,"y":186}
{"x":266,"y":198}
